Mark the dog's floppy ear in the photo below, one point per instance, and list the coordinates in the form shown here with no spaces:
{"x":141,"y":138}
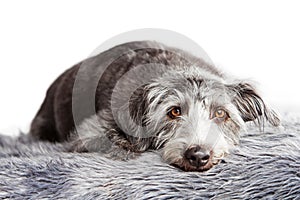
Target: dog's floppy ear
{"x":250,"y":104}
{"x":138,"y":105}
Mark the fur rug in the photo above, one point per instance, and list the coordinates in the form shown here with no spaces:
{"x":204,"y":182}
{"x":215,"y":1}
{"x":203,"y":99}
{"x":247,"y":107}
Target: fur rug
{"x":265,"y":165}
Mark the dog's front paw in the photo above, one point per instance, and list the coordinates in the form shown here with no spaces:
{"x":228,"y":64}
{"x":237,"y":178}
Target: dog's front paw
{"x":102,"y":146}
{"x":91,"y":144}
{"x":117,"y":153}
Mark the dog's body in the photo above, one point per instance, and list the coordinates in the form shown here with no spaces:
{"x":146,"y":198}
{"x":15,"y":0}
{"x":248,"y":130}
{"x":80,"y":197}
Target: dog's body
{"x":144,"y":95}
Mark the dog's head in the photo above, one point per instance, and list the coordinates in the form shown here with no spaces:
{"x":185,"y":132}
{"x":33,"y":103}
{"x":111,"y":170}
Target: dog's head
{"x":196,"y":119}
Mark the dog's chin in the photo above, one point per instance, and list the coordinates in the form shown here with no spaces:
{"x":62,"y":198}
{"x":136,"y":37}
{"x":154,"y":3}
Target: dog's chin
{"x":184,"y":165}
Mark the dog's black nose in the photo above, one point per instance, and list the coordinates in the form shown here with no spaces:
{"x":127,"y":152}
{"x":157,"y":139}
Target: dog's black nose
{"x":197,"y":156}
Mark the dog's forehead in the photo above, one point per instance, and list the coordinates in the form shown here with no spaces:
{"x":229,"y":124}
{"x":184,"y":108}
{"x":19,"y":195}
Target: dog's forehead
{"x":214,"y":92}
{"x":197,"y":87}
{"x":188,"y":89}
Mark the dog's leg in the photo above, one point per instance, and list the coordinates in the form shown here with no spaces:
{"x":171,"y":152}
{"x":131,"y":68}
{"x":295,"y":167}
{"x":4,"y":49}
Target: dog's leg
{"x":43,"y":125}
{"x":96,"y":134}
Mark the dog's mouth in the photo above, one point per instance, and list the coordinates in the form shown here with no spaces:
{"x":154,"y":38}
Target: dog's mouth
{"x":187,"y":165}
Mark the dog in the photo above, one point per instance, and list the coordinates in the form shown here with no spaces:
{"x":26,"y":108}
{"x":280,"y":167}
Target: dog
{"x":142,"y":96}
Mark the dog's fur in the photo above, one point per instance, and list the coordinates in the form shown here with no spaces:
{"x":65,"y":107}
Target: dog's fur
{"x":127,"y":110}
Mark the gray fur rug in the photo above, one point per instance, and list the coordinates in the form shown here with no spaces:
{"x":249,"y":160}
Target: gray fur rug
{"x":265,"y":165}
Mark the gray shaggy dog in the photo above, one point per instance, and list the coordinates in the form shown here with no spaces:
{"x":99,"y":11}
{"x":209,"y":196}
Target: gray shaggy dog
{"x":141,"y":96}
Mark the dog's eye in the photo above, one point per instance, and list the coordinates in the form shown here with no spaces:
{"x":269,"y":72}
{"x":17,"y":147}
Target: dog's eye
{"x":220,"y":113}
{"x":174,"y":112}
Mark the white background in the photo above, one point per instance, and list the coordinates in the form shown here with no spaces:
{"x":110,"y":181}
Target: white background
{"x":259,"y":40}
